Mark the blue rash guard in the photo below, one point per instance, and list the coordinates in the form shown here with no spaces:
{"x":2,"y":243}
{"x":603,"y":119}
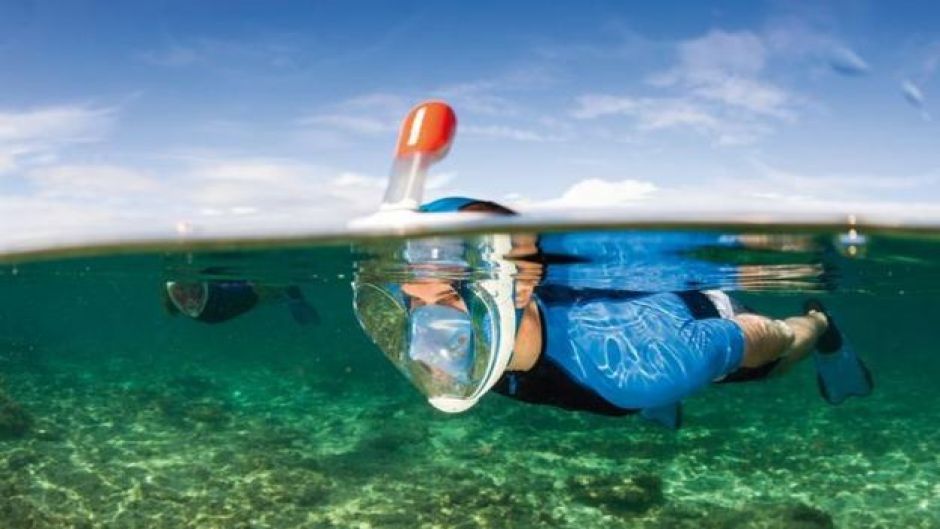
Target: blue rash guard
{"x":616,"y":352}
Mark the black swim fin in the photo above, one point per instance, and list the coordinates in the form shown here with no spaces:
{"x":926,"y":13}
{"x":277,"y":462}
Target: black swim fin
{"x":302,"y":312}
{"x":840,"y":373}
{"x":669,"y":415}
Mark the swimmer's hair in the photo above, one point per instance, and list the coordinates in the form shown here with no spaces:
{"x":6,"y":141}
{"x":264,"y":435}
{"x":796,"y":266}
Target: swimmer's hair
{"x":485,"y":206}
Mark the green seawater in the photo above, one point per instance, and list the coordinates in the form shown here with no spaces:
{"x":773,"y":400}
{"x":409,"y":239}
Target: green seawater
{"x":114,"y":413}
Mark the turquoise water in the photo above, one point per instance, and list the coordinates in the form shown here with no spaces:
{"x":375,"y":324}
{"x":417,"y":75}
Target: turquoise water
{"x":115,"y":413}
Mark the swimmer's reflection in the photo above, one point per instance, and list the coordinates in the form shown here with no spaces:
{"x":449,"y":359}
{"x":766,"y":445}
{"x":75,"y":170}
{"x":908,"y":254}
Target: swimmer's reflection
{"x":484,"y":313}
{"x":219,"y":300}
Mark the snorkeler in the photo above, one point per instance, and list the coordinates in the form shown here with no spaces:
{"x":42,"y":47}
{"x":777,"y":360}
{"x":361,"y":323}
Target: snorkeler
{"x":462,"y":318}
{"x":608,"y":351}
{"x":216,"y":301}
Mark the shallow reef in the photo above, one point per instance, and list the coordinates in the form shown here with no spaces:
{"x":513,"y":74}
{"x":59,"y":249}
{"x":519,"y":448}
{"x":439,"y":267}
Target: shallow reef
{"x":617,"y":493}
{"x":247,"y":447}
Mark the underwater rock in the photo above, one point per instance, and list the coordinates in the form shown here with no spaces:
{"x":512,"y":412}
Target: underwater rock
{"x":802,"y":516}
{"x":14,"y":420}
{"x":618,"y":494}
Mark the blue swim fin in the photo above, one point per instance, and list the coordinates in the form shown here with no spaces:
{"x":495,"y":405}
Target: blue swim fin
{"x":302,"y":312}
{"x":669,"y":415}
{"x":840,"y":373}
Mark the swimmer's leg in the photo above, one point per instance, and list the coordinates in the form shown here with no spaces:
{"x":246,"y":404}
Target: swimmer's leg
{"x":787,"y":341}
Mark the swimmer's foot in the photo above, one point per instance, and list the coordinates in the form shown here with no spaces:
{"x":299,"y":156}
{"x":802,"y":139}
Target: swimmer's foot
{"x":840,"y":373}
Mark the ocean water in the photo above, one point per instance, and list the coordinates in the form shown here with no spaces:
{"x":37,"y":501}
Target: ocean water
{"x":118,"y":412}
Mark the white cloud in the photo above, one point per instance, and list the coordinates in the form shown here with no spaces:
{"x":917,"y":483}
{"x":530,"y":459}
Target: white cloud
{"x":277,"y":186}
{"x":716,"y":88}
{"x":272,"y":52}
{"x":353,"y":124}
{"x":479,"y":97}
{"x":597,"y":105}
{"x":837,"y":186}
{"x":651,"y":113}
{"x":251,"y":170}
{"x":35,"y":136}
{"x":343,"y":124}
{"x":503,"y":132}
{"x":596,"y":193}
{"x":795,"y":38}
{"x":665,"y":113}
{"x":377,"y":101}
{"x":721,"y":53}
{"x":724,"y":67}
{"x":492,"y":96}
{"x":64,"y":123}
{"x":220,"y":184}
{"x":92,"y":182}
{"x":359,"y":192}
{"x":749,"y":94}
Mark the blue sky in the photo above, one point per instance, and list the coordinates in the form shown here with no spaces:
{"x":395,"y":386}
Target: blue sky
{"x":226,"y":109}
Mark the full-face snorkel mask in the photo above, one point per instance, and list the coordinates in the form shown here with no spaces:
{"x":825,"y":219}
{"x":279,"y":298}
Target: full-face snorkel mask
{"x":453,"y":345}
{"x":453,"y":349}
{"x":189,"y":297}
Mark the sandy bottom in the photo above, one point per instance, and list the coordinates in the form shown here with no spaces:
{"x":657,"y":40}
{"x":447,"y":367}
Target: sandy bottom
{"x":121,"y":446}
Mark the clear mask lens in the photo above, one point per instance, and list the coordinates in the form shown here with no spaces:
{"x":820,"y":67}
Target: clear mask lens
{"x":189,"y":298}
{"x":384,"y":319}
{"x":441,"y":339}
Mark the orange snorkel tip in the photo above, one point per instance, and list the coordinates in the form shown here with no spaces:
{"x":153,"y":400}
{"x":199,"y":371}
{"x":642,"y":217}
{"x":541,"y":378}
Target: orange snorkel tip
{"x":425,"y":137}
{"x":428,"y":130}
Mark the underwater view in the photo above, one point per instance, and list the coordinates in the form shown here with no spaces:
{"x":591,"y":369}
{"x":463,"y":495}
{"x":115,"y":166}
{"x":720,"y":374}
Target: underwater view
{"x":128,"y":401}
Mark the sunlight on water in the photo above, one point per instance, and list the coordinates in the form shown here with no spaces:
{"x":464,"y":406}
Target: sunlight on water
{"x":126,"y":401}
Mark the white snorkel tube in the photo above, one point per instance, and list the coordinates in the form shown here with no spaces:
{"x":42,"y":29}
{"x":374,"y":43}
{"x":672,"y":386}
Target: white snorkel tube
{"x":425,"y":137}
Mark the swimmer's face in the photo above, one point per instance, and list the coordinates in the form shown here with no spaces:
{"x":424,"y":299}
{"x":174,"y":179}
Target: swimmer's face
{"x":422,"y":293}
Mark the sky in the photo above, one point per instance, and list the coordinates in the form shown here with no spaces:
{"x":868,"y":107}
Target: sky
{"x":117,"y":112}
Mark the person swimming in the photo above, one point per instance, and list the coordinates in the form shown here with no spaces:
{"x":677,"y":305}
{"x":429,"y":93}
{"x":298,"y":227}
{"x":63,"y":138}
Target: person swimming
{"x":216,"y":301}
{"x":600,"y":350}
